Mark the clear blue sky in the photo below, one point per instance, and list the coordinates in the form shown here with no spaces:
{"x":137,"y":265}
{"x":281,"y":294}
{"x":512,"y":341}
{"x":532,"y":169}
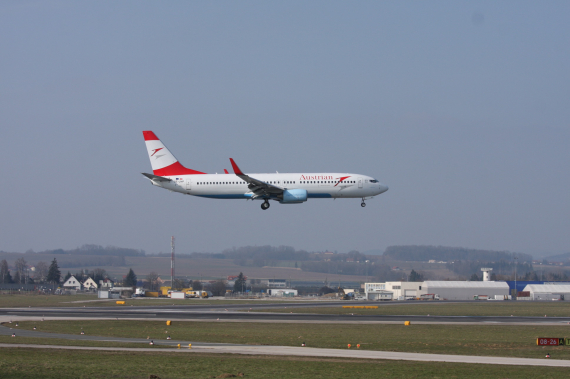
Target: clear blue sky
{"x":460,"y":107}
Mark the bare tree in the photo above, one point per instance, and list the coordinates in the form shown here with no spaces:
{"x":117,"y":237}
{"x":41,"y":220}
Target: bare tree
{"x":197,"y":285}
{"x":41,"y":271}
{"x":218,"y":288}
{"x":152,"y":280}
{"x":20,"y":266}
{"x":179,"y":284}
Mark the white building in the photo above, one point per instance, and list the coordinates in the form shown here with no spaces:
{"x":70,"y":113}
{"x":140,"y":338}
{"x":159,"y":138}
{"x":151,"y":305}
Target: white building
{"x":377,"y":291}
{"x":274,"y":283}
{"x":106,"y":284}
{"x":548,"y":291}
{"x":456,"y":290}
{"x":282,"y":292}
{"x":89,"y":284}
{"x":405,"y":290}
{"x":72,"y":284}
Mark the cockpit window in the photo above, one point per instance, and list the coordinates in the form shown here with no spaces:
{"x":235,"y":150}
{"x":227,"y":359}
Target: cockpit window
{"x":373,"y":181}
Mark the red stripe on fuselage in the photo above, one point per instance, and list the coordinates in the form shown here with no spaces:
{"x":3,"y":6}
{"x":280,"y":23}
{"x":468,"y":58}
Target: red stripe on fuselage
{"x":342,"y":179}
{"x":175,"y":169}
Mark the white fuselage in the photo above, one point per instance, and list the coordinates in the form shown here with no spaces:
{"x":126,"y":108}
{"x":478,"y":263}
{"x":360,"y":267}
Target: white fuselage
{"x":170,"y":174}
{"x":230,"y":186}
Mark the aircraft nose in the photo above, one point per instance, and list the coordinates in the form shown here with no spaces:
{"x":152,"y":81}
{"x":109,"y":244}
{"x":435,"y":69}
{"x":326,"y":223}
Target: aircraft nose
{"x":383,"y":188}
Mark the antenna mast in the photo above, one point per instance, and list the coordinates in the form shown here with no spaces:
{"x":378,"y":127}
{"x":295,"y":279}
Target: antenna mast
{"x":172,"y":262}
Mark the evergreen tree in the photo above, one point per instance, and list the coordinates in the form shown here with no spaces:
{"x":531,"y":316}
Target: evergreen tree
{"x":54,"y":275}
{"x":239,"y":285}
{"x":474,"y":278}
{"x":67,"y":276}
{"x":415,"y":277}
{"x":131,"y":279}
{"x":5,"y":276}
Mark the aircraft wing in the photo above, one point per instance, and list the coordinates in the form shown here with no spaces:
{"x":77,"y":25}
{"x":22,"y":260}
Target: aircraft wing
{"x":258,"y":187}
{"x":156,"y":178}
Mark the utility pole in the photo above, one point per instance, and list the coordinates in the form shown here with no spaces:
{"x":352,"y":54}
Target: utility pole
{"x":172,"y":262}
{"x":516,"y":292}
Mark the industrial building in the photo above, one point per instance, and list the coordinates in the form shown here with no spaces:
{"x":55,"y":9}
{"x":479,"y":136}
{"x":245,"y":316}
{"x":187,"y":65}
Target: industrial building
{"x":447,"y":290}
{"x":377,"y":291}
{"x":456,"y":290}
{"x":548,"y":291}
{"x":282,"y":292}
{"x":404,"y":290}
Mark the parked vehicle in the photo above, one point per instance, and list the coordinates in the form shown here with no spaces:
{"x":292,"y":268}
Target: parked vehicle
{"x":429,"y":296}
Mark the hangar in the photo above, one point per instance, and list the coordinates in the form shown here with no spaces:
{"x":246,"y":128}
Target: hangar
{"x":548,"y":291}
{"x":456,"y":290}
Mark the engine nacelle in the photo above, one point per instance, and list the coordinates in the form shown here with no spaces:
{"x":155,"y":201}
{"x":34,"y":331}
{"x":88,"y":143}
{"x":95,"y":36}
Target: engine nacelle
{"x":294,"y":196}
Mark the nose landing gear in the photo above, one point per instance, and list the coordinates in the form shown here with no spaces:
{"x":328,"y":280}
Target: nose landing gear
{"x":265,"y":205}
{"x":363,"y":204}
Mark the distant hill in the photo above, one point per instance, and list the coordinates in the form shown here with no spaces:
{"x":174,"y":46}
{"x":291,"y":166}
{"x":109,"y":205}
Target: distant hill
{"x":98,"y":250}
{"x":419,"y":253}
{"x":373,"y":252}
{"x":558,"y":258}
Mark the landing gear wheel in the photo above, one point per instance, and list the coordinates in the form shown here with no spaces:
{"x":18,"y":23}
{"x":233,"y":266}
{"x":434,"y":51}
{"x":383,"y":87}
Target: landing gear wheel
{"x":265,"y":205}
{"x":363,"y":204}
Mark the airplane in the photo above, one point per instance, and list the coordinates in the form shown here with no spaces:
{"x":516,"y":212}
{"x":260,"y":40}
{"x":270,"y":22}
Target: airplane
{"x":294,"y":188}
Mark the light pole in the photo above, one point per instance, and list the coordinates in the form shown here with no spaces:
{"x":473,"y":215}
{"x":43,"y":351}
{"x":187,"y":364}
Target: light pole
{"x":516,"y":292}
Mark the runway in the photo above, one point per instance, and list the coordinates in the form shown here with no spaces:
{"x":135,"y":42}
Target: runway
{"x":239,"y":313}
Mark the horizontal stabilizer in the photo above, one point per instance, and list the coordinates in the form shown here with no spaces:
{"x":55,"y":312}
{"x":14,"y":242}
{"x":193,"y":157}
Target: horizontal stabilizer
{"x":156,"y":178}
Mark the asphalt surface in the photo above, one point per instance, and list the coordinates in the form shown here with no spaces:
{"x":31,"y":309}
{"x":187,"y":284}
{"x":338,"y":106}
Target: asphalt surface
{"x":239,"y":312}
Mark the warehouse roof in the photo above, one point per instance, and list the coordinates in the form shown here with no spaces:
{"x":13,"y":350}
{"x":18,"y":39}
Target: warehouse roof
{"x":464,"y":284}
{"x":548,"y":288}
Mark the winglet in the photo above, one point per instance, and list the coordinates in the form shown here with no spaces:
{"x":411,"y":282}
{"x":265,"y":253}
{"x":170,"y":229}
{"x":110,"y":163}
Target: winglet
{"x":226,"y":171}
{"x":237,"y":171}
{"x":149,"y":135}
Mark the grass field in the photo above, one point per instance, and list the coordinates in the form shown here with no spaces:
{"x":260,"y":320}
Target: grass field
{"x":39,"y":363}
{"x":65,"y":342}
{"x":483,"y":340}
{"x":33,"y":300}
{"x":435,"y":308}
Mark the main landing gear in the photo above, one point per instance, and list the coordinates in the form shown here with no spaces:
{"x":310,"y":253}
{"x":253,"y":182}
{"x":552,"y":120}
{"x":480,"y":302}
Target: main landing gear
{"x":363,"y":204}
{"x":265,"y":205}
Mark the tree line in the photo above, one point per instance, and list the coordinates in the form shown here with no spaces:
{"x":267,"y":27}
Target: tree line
{"x":501,"y":267}
{"x":418,"y":253}
{"x":94,"y":250}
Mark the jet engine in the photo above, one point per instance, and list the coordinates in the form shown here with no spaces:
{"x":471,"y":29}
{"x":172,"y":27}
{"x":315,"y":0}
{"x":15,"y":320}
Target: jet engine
{"x":294,"y":196}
